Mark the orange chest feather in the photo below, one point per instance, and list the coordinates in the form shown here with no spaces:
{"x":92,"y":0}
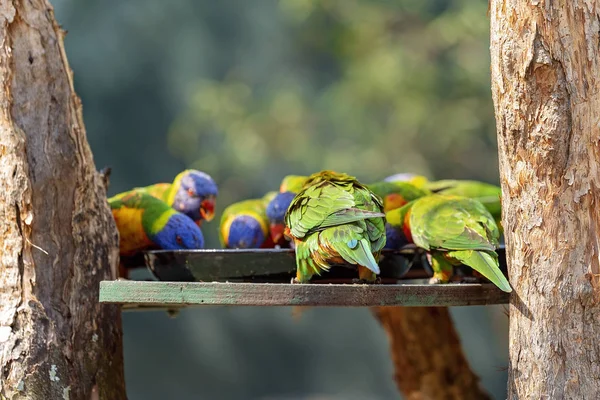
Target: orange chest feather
{"x":132,"y":235}
{"x":406,"y":227}
{"x":393,"y":201}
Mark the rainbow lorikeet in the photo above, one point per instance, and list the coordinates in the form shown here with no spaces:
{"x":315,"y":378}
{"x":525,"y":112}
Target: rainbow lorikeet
{"x":244,"y":225}
{"x":192,"y":192}
{"x":454,"y":230}
{"x":487,"y":194}
{"x":396,"y":194}
{"x":276,"y":210}
{"x":335,"y":219}
{"x":145,"y":222}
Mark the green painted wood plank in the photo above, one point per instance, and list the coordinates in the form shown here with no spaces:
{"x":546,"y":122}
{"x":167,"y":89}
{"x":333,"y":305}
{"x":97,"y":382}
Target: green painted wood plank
{"x":165,"y":294}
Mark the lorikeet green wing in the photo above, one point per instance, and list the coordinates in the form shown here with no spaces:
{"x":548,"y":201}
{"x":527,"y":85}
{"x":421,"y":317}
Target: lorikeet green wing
{"x":128,"y":210}
{"x":345,"y":243}
{"x":158,"y":190}
{"x":489,"y":195}
{"x":459,"y":229}
{"x":335,"y":219}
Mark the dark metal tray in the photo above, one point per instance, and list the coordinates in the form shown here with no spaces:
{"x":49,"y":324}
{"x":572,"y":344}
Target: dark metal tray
{"x":275,"y":265}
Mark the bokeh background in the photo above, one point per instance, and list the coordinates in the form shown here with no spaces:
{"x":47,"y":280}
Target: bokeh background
{"x":249,"y":91}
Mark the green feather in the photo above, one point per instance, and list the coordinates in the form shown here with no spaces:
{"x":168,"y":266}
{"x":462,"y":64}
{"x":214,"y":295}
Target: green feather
{"x":487,"y":194}
{"x":156,"y":212}
{"x":486,"y":263}
{"x":335,"y":215}
{"x":460,"y":226}
{"x":352,"y":245}
{"x":453,"y":223}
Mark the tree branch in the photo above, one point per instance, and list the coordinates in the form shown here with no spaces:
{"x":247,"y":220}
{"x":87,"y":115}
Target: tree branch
{"x":427,"y":355}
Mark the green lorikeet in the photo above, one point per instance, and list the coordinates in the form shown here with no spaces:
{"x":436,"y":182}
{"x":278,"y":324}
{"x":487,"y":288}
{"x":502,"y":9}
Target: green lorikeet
{"x":244,"y":225}
{"x":335,"y":220}
{"x":396,"y":194}
{"x":487,"y":194}
{"x":145,"y":222}
{"x":454,"y":230}
{"x":193,"y":193}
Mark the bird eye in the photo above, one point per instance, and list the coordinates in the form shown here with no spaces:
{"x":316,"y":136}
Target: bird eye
{"x":191,"y":192}
{"x":179,"y":240}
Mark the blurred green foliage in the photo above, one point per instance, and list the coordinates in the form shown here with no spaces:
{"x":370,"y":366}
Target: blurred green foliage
{"x":371,"y":88}
{"x":250,"y":91}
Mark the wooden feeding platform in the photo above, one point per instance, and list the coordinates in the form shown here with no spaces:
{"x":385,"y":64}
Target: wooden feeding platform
{"x":261,"y":277}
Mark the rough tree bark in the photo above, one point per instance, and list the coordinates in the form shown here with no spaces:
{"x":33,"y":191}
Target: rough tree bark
{"x":57,"y":236}
{"x":428,"y":360}
{"x":546,"y":90}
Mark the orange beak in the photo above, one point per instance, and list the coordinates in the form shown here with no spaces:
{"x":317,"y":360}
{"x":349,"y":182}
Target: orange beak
{"x":277,"y":232}
{"x":207,"y":209}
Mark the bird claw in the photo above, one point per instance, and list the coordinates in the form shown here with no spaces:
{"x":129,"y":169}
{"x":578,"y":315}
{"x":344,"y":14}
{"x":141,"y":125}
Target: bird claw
{"x":295,"y":281}
{"x":434,"y":281}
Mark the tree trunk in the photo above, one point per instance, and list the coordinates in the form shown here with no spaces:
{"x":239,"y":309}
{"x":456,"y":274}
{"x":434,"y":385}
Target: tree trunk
{"x":427,"y":355}
{"x":57,"y":236}
{"x":546,"y":90}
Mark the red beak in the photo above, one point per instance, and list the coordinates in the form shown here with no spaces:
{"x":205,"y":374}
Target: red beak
{"x":277,"y":232}
{"x":207,"y":209}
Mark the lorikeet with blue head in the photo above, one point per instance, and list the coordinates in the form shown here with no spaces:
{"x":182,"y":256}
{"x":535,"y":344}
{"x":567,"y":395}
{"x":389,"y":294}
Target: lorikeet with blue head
{"x":290,"y":186}
{"x":336,"y":220}
{"x":145,"y":222}
{"x":244,"y":225}
{"x":193,"y":193}
{"x":276,"y":210}
{"x":454,"y":230}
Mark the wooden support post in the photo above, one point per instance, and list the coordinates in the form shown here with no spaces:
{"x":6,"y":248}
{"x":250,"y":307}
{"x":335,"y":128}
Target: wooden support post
{"x":427,"y":355}
{"x":57,"y":236}
{"x":545,"y":63}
